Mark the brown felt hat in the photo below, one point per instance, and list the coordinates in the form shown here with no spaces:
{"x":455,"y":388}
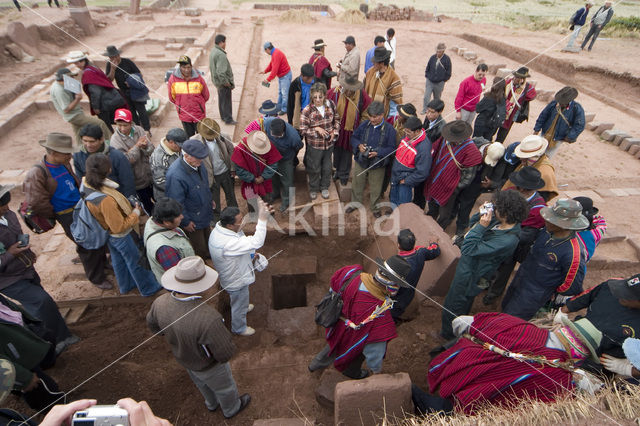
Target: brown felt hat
{"x":350,"y":82}
{"x":58,"y":142}
{"x":566,"y":95}
{"x":208,"y":128}
{"x":457,"y":131}
{"x":522,"y":72}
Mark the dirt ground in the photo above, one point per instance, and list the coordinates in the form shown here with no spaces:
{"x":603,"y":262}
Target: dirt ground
{"x":114,"y":358}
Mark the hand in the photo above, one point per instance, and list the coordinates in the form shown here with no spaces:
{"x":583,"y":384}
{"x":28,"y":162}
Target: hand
{"x":233,"y":174}
{"x":373,"y":154}
{"x":61,"y":414}
{"x":617,"y":365}
{"x":190,"y":227}
{"x":321,"y":131}
{"x":213,"y":204}
{"x":115,"y":61}
{"x":97,"y":111}
{"x":259,"y":180}
{"x":265,"y":81}
{"x":485,"y":219}
{"x":15,"y":250}
{"x":362,"y":147}
{"x":458,"y":115}
{"x":263,"y":210}
{"x":227,"y":85}
{"x":142,"y":142}
{"x":262,"y":72}
{"x":536,"y":132}
{"x":140,"y":413}
{"x":486,"y":182}
{"x":557,"y":319}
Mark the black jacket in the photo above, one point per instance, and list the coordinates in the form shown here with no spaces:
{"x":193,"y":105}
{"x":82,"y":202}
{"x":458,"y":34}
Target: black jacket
{"x":436,"y":73}
{"x":435,"y":132}
{"x":294,"y":87}
{"x":491,"y":114}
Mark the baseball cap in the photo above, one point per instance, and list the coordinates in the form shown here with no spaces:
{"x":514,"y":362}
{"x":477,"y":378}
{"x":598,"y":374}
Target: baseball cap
{"x":122,"y":114}
{"x":628,"y":289}
{"x":184,"y":60}
{"x":349,"y":40}
{"x":61,"y":72}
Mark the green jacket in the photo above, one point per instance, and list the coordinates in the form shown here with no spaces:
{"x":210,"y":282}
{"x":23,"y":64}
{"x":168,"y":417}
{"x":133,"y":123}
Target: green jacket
{"x":220,"y":68}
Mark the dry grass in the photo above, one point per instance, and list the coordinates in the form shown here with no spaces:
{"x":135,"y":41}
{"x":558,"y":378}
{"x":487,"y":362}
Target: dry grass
{"x":297,"y":16}
{"x":352,"y":17}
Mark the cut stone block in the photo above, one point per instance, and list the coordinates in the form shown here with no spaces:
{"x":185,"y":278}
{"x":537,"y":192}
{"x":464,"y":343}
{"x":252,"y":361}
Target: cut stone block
{"x":325,"y":392}
{"x":618,"y":192}
{"x":174,"y":46}
{"x":630,"y":191}
{"x":588,"y":118}
{"x":297,"y":322}
{"x":609,"y":135}
{"x":17,"y":33}
{"x":192,"y":11}
{"x":461,"y":51}
{"x":602,"y":127}
{"x":454,"y":49}
{"x":637,"y":155}
{"x":344,"y":191}
{"x":628,"y":143}
{"x":619,"y":138}
{"x":370,"y":400}
{"x":592,"y":126}
{"x":495,"y":67}
{"x":503,"y":72}
{"x":470,"y":55}
{"x":604,"y":192}
{"x":437,"y":273}
{"x":11,"y":173}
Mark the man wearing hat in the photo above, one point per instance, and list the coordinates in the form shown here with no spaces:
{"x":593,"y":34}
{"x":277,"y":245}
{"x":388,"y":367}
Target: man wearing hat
{"x":591,"y":236}
{"x":278,"y":67}
{"x":412,"y":162}
{"x":52,"y":190}
{"x":197,"y":335}
{"x":469,"y":92}
{"x":576,"y":23}
{"x":366,"y":325}
{"x":381,"y":82}
{"x":351,"y":102}
{"x":267,"y":110}
{"x":562,"y":120}
{"x":556,"y":263}
{"x":188,"y":184}
{"x":220,"y":169}
{"x":300,"y":94}
{"x":256,"y":160}
{"x":526,"y":181}
{"x":519,"y":94}
{"x":167,"y":151}
{"x":437,"y":73}
{"x":454,"y":151}
{"x":500,"y":359}
{"x":189,"y":93}
{"x":104,"y":98}
{"x":321,"y":65}
{"x":68,"y":106}
{"x":532,"y":152}
{"x":128,"y":77}
{"x":222,"y":77}
{"x":600,"y":19}
{"x":350,"y":64}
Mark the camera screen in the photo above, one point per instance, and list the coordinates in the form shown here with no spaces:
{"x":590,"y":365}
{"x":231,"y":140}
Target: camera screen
{"x":83,"y":422}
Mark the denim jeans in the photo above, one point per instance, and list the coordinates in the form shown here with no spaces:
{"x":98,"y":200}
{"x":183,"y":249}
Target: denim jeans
{"x":574,"y":35}
{"x":373,"y":354}
{"x":239,"y":307}
{"x":283,"y":91}
{"x":400,"y":194}
{"x":218,"y":388}
{"x":124,"y":258}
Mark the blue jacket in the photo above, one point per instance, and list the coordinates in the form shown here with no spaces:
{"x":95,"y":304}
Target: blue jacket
{"x":121,"y":171}
{"x":191,"y":189}
{"x":368,"y":59}
{"x":289,"y":144}
{"x":552,"y":266}
{"x":580,"y":17}
{"x":381,"y":142}
{"x":574,"y":115}
{"x":414,"y":177}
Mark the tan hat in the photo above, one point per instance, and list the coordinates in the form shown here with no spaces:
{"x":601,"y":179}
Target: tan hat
{"x":5,"y":188}
{"x":495,"y":151}
{"x":58,"y":142}
{"x":531,"y":146}
{"x":189,"y":276}
{"x":75,"y":56}
{"x":208,"y":128}
{"x":258,"y":142}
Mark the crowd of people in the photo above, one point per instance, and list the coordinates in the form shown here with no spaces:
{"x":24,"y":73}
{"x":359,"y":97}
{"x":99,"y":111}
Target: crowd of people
{"x":350,"y":129}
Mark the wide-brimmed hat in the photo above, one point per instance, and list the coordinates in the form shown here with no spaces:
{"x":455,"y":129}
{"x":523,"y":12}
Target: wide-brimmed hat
{"x":195,"y":148}
{"x":457,"y":131}
{"x":75,"y":56}
{"x":268,"y":108}
{"x":566,"y":95}
{"x":318,"y":44}
{"x":7,"y":378}
{"x":494,"y":153}
{"x":208,"y":128}
{"x":628,"y":289}
{"x":522,"y":72}
{"x":258,"y":142}
{"x":381,"y":54}
{"x":62,"y":72}
{"x":588,"y":334}
{"x":58,"y":142}
{"x":565,"y":213}
{"x":631,"y":348}
{"x":350,"y":82}
{"x":349,"y":40}
{"x":528,"y":178}
{"x":407,"y":110}
{"x":587,"y":207}
{"x":395,"y":269}
{"x":531,"y":146}
{"x":189,"y":276}
{"x":111,"y":51}
{"x":5,"y":188}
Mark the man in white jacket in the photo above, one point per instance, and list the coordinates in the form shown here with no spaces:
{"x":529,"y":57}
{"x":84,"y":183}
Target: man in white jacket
{"x":233,"y":255}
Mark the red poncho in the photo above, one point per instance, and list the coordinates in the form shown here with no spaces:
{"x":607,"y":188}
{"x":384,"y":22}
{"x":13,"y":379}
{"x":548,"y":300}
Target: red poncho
{"x":254,"y":164}
{"x":471,"y":375}
{"x":346,"y":343}
{"x":93,"y":75}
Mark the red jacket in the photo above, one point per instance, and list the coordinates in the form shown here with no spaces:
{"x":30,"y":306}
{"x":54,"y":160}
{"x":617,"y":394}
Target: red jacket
{"x":189,"y":96}
{"x":279,"y":66}
{"x":469,"y":93}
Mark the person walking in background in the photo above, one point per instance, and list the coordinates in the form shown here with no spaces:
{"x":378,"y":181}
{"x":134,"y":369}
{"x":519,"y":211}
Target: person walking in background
{"x":222,"y":78}
{"x":368,"y":59}
{"x":469,"y":93}
{"x":390,"y":45}
{"x":437,"y":73}
{"x":577,"y":21}
{"x":598,"y":22}
{"x":278,"y":67}
{"x":491,"y":111}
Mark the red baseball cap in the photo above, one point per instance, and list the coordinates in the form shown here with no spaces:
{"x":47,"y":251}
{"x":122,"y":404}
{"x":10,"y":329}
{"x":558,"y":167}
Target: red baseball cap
{"x":122,"y":114}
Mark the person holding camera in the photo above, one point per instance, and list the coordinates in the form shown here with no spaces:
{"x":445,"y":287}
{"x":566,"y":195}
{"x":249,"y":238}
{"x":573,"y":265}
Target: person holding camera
{"x":115,"y":213}
{"x":372,"y":142}
{"x":492,"y":239}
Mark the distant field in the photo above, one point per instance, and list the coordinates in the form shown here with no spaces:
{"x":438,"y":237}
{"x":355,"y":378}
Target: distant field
{"x":43,"y":3}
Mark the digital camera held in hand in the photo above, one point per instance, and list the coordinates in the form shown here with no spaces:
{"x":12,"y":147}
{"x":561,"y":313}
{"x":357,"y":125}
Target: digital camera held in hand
{"x":23,"y":239}
{"x":486,"y":208}
{"x":133,"y":200}
{"x":101,"y":415}
{"x":266,"y":84}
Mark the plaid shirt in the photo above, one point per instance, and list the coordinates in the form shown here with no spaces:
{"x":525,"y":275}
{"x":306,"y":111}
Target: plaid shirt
{"x":167,"y":257}
{"x":311,"y":118}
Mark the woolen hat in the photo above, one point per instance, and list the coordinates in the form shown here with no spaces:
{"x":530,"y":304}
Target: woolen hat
{"x":195,"y":148}
{"x":208,"y":128}
{"x":494,"y":153}
{"x":380,"y":54}
{"x":631,"y":348}
{"x":184,"y":60}
{"x":531,"y":146}
{"x":587,"y":207}
{"x":587,"y":333}
{"x":528,"y":178}
{"x":349,"y":40}
{"x":407,"y":110}
{"x":177,"y":135}
{"x":75,"y":56}
{"x":111,"y":51}
{"x":7,"y":378}
{"x":457,"y":131}
{"x":189,"y":276}
{"x":566,"y":95}
{"x":395,"y":269}
{"x":522,"y":72}
{"x":413,"y":123}
{"x":258,"y":142}
{"x":628,"y":289}
{"x":565,"y":213}
{"x":350,"y":82}
{"x":58,"y":142}
{"x":61,"y":73}
{"x":268,"y":108}
{"x":5,"y":188}
{"x":318,"y":44}
{"x":122,"y":114}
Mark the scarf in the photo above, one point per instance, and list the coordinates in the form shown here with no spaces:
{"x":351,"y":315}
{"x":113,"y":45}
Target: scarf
{"x":110,"y":188}
{"x":375,"y":289}
{"x":351,"y":107}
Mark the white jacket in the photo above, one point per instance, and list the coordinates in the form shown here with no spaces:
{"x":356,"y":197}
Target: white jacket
{"x":232,"y":252}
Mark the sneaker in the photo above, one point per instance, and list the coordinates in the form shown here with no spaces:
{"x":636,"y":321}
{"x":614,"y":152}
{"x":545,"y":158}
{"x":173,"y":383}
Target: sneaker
{"x":283,"y":208}
{"x":325,"y":193}
{"x":104,"y":285}
{"x":249,"y":331}
{"x":76,"y":260}
{"x":313,"y":195}
{"x":344,"y":182}
{"x":244,"y":401}
{"x":231,"y":122}
{"x":250,"y":308}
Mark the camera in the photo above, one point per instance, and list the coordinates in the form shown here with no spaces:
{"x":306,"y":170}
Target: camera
{"x":23,"y":239}
{"x":486,"y":208}
{"x":101,"y":415}
{"x":266,"y":84}
{"x":133,"y":200}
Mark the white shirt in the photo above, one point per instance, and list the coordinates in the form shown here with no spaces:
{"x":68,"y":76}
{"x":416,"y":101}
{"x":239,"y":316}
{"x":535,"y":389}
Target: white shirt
{"x":391,"y":46}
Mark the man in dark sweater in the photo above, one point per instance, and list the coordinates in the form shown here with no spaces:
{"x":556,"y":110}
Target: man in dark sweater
{"x":197,"y":335}
{"x":437,"y":73}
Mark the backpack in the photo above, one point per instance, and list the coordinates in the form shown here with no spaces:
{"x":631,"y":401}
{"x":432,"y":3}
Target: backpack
{"x":85,"y":229}
{"x":523,"y":113}
{"x":36,"y":223}
{"x":330,"y":307}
